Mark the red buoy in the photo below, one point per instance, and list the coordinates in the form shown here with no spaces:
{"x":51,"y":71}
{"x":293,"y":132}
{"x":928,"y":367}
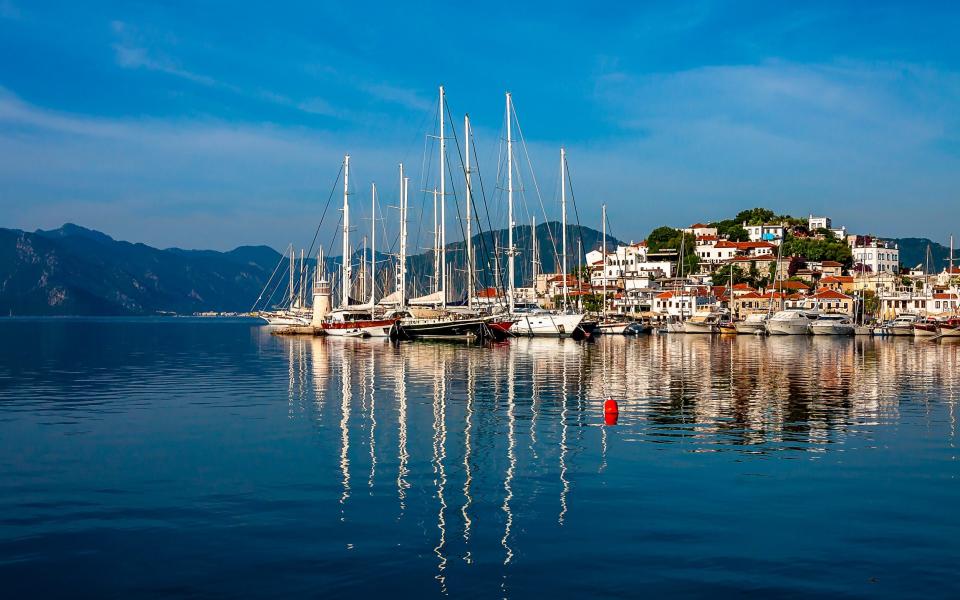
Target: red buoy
{"x":610,"y":418}
{"x":610,"y":406}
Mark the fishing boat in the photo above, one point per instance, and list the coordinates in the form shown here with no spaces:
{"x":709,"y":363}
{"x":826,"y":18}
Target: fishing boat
{"x":637,"y":328}
{"x":832,"y":324}
{"x":903,"y":324}
{"x":754,"y":323}
{"x":791,"y":322}
{"x":702,"y":322}
{"x":927,"y":327}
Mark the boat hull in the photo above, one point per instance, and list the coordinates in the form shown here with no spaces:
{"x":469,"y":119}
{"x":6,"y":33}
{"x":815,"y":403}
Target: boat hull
{"x":612,"y":328}
{"x":371,"y":328}
{"x":691,"y":327}
{"x":747,"y":327}
{"x":451,"y":329}
{"x":924,"y":331}
{"x":787,"y":328}
{"x":863,"y":330}
{"x":951,"y":332}
{"x":832,"y":329}
{"x":900,"y":330}
{"x":546,"y":325}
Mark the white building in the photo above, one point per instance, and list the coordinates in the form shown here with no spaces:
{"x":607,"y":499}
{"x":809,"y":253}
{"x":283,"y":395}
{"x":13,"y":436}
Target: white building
{"x":878,"y":256}
{"x":626,"y":267}
{"x":815,"y":223}
{"x":767,"y":232}
{"x":701,"y":230}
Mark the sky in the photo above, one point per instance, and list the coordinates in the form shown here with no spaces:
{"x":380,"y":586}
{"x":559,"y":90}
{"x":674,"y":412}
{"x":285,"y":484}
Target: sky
{"x":218,"y":124}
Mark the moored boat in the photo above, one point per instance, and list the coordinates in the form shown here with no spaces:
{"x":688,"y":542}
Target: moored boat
{"x":950,"y":328}
{"x":754,"y":323}
{"x":926,"y":327}
{"x":790,"y":322}
{"x":832,"y":324}
{"x":903,"y":324}
{"x":702,"y":322}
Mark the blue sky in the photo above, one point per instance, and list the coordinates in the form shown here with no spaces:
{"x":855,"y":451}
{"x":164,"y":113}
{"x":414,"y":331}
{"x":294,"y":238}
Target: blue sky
{"x":216,"y":124}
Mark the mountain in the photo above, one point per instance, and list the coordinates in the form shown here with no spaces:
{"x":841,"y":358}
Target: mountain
{"x":913,"y":252}
{"x":78,"y":271}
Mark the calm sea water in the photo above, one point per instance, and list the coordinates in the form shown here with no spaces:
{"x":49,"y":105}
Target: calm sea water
{"x":206,"y":458}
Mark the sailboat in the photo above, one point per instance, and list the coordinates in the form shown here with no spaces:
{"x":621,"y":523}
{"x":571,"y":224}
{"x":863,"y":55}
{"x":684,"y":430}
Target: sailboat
{"x":535,"y":321}
{"x":616,"y":324}
{"x":351,"y":320}
{"x":293,"y":314}
{"x":441,"y":322}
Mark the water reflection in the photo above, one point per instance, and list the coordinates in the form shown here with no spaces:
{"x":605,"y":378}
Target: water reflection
{"x":786,"y":397}
{"x":352,"y":466}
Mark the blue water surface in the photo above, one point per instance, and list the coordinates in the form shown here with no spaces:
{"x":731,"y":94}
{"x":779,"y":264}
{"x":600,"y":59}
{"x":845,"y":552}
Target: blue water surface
{"x":206,"y":458}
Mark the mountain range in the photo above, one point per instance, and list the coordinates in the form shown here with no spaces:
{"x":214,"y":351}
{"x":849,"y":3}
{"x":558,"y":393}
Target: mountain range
{"x":78,"y":271}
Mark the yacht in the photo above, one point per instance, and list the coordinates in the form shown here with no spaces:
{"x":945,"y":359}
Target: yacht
{"x":903,"y":324}
{"x":702,"y":322}
{"x":538,"y":322}
{"x":284,"y":318}
{"x":613,"y":325}
{"x":754,"y":323}
{"x":791,"y":322}
{"x":832,"y":324}
{"x":356,"y":322}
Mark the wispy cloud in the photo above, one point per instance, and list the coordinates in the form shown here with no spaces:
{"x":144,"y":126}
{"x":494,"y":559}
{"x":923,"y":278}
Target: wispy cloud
{"x":132,"y":52}
{"x":404,"y":97}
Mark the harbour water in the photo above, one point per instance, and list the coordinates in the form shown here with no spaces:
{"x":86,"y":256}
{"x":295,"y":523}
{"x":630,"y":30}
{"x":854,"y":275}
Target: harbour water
{"x":190,"y":457}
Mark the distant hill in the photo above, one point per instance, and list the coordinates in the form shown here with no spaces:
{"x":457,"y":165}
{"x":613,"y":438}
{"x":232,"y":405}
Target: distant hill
{"x":78,"y":271}
{"x":913,"y":252}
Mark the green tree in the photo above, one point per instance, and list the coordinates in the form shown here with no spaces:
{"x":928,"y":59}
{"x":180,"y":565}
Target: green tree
{"x":755,"y":216}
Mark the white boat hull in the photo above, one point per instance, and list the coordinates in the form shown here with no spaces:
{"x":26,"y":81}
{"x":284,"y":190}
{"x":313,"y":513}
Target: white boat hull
{"x":950,"y":332}
{"x":863,"y":330}
{"x":691,"y":327}
{"x":917,"y":332}
{"x":749,"y":328}
{"x":787,"y":328}
{"x":546,"y":325}
{"x":612,"y":328}
{"x":831,"y":329}
{"x":900,"y":330}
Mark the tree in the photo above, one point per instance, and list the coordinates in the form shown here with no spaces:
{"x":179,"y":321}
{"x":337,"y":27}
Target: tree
{"x":732,"y":230}
{"x":667,"y":237}
{"x":755,"y":216}
{"x":592,"y":302}
{"x":816,"y":249}
{"x":796,"y":263}
{"x":722,"y":275}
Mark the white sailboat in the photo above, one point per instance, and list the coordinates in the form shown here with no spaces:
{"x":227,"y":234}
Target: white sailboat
{"x":536,"y":321}
{"x":355,"y":320}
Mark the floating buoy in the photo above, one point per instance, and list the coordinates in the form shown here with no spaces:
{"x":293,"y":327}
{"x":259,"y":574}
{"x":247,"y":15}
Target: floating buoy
{"x":610,"y":406}
{"x":610,"y":418}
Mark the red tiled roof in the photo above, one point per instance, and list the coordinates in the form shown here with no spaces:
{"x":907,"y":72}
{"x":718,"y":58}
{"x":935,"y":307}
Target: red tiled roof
{"x":837,"y":279}
{"x":698,"y":226}
{"x":743,"y":286}
{"x":831,"y":263}
{"x":825,"y":294}
{"x":944,"y":296}
{"x":795,"y":285}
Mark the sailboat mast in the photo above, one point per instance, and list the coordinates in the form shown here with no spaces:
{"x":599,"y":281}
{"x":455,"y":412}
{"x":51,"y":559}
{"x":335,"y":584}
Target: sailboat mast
{"x":510,"y":261}
{"x":603,"y":211}
{"x":443,"y":201}
{"x":563,"y":219}
{"x":466,"y":172}
{"x":533,"y":251}
{"x":402,"y":264}
{"x":436,"y":246}
{"x":292,"y":268}
{"x":373,"y":244}
{"x":303,"y":279}
{"x":345,"y":273}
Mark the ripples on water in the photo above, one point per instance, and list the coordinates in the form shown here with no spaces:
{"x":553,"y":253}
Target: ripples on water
{"x":184,"y":457}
